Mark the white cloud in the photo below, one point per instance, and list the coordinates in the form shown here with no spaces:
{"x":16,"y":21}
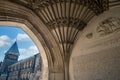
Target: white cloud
{"x":23,"y":37}
{"x":33,"y":49}
{"x":4,"y":37}
{"x":24,"y":53}
{"x":5,"y":41}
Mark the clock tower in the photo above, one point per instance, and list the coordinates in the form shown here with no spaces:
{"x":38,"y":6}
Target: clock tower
{"x":11,"y":57}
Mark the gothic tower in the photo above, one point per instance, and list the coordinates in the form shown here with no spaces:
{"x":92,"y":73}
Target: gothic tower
{"x":11,"y":57}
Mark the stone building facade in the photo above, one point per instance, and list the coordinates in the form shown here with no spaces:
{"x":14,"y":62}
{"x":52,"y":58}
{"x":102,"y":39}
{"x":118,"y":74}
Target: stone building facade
{"x":26,"y":69}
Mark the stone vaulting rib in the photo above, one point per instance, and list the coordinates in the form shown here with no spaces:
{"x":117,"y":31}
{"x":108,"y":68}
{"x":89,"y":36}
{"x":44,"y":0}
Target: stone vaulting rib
{"x":66,"y":18}
{"x":114,"y":3}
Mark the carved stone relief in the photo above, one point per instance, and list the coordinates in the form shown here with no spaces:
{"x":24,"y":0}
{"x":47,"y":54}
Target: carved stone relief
{"x":108,"y":26}
{"x":89,"y":35}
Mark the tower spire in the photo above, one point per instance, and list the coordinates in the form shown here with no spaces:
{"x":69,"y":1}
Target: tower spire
{"x":14,"y":49}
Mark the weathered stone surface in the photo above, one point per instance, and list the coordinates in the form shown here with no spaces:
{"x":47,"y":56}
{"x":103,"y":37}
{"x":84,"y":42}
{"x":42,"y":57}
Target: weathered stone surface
{"x":102,"y":65}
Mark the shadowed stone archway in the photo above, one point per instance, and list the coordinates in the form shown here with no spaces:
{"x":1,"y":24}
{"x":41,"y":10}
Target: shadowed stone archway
{"x":16,"y":15}
{"x":36,"y":40}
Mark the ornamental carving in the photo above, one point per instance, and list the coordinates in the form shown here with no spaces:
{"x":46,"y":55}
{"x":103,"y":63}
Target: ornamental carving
{"x":66,"y":18}
{"x":108,"y":26}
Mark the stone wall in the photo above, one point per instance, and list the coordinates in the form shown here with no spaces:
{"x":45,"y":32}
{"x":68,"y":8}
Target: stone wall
{"x":96,"y":56}
{"x":102,"y":65}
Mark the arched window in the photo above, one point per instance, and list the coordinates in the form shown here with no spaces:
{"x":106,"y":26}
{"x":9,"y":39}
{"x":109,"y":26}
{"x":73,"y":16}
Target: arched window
{"x":20,"y":52}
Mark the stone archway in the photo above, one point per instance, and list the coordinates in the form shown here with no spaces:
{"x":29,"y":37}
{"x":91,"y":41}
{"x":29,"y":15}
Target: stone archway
{"x":10,"y":15}
{"x":36,"y":40}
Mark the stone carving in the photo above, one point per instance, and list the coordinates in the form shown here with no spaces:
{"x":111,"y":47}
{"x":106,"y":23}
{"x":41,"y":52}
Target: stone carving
{"x":108,"y":26}
{"x":89,"y":35}
{"x":66,"y":18}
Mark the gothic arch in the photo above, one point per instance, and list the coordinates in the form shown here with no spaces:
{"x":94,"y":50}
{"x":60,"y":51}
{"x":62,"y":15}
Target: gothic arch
{"x":10,"y":15}
{"x":34,"y":38}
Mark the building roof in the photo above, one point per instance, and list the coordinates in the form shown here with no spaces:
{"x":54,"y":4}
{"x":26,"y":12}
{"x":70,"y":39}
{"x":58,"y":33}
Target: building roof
{"x":14,"y":49}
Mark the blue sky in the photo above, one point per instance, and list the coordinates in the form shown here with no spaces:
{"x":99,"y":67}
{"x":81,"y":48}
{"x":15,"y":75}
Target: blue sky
{"x":8,"y":35}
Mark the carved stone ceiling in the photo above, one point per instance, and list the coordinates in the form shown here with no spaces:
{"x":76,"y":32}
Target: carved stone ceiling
{"x":65,"y":18}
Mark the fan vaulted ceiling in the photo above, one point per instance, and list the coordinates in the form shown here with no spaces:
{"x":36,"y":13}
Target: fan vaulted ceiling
{"x":66,"y":18}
